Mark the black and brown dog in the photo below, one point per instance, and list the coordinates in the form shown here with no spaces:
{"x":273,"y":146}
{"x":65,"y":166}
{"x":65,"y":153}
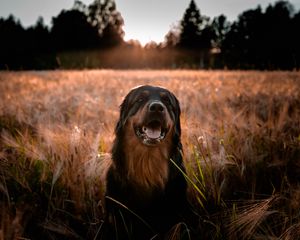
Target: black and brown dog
{"x":145,"y":190}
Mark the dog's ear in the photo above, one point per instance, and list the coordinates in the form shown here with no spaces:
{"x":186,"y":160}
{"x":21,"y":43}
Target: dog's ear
{"x":123,"y":115}
{"x":177,"y":112}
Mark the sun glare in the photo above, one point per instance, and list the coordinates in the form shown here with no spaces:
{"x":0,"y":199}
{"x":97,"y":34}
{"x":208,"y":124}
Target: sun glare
{"x":142,"y":37}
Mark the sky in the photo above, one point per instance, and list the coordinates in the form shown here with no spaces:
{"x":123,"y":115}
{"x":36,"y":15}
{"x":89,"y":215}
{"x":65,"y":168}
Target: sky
{"x":145,"y":20}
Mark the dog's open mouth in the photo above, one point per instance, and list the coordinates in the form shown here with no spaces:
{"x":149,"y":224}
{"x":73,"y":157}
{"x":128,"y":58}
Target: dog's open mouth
{"x":151,"y":133}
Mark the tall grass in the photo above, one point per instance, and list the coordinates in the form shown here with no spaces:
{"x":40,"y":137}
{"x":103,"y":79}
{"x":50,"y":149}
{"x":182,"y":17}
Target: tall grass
{"x":241,"y":137}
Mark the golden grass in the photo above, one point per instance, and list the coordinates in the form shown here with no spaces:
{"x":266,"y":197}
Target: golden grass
{"x":241,"y":137}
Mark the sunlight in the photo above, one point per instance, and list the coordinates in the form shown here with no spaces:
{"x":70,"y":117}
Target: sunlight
{"x":142,"y":37}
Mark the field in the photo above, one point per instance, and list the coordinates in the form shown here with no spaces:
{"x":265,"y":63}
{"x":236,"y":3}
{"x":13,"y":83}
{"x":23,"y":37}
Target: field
{"x":241,"y":137}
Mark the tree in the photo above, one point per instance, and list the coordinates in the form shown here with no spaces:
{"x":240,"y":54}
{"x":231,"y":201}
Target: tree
{"x":191,"y":27}
{"x":295,"y":26}
{"x":279,"y":35}
{"x":111,"y":36}
{"x":172,"y":37}
{"x":38,"y":37}
{"x":103,"y":15}
{"x":38,"y":47}
{"x":71,"y":30}
{"x":196,"y":36}
{"x":220,"y":27}
{"x":261,"y":40}
{"x":243,"y":45}
{"x":80,"y":6}
{"x":12,"y":49}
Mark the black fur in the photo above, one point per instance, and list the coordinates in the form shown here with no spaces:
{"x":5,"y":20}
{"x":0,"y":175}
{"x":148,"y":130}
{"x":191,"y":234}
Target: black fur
{"x":131,"y":213}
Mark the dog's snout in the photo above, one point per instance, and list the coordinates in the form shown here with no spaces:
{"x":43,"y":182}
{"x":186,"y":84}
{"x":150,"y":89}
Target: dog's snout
{"x":156,"y":107}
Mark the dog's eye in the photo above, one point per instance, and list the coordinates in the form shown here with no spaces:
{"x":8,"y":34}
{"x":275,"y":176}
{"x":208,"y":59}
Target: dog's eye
{"x":140,"y":100}
{"x":166,"y":100}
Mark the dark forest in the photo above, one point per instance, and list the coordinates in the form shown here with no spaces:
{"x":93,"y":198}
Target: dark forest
{"x":85,"y":37}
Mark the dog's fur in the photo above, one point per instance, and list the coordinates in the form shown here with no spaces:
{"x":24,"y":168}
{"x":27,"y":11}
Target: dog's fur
{"x":145,"y":191}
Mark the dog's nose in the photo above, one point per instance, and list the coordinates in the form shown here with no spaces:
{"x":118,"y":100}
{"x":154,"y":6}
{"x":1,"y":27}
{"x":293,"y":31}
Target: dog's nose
{"x":156,"y":107}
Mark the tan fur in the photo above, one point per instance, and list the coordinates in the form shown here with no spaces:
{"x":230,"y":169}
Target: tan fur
{"x":147,"y":167}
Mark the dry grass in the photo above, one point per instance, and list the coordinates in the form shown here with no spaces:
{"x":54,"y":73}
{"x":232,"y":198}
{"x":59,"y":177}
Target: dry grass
{"x":241,"y":136}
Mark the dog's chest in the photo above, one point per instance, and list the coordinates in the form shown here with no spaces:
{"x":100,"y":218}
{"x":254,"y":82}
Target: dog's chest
{"x":148,"y":170}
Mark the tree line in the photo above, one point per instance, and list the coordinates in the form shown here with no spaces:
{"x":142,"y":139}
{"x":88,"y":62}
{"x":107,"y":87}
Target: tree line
{"x":91,"y":36}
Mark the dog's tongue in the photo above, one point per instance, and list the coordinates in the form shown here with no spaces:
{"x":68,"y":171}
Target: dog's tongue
{"x":152,"y":132}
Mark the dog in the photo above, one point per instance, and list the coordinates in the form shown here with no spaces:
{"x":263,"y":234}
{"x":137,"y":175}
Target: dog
{"x":145,"y":184}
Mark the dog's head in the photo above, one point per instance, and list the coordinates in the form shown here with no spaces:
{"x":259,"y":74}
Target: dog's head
{"x":152,"y":113}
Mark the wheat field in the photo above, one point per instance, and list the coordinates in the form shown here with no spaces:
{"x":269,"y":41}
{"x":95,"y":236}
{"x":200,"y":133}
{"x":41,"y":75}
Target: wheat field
{"x":240,"y":132}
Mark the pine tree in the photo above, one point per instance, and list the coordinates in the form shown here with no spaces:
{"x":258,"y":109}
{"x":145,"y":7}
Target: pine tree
{"x":191,"y":27}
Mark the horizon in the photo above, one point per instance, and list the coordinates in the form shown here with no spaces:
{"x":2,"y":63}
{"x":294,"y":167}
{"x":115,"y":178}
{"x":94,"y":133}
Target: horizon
{"x":144,"y":26}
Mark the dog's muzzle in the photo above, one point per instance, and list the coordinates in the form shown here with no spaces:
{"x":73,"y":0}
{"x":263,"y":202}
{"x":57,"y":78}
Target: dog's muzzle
{"x":154,"y":126}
